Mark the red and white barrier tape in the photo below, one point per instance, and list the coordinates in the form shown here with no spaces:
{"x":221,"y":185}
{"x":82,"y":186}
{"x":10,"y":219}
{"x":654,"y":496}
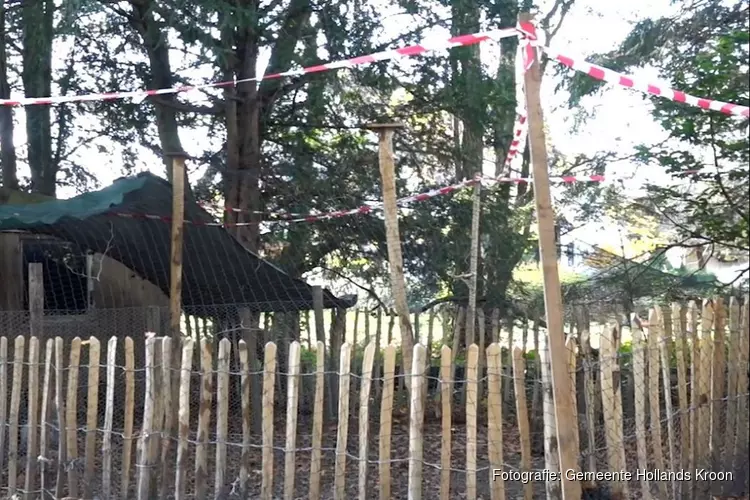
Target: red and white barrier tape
{"x":516,"y":147}
{"x":407,"y":51}
{"x":366,"y":209}
{"x":607,"y":75}
{"x":525,"y":29}
{"x":530,"y":39}
{"x":521,"y":127}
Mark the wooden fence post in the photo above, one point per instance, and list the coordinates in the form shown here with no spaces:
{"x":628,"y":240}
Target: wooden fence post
{"x":551,"y":454}
{"x":471,"y":308}
{"x":183,"y":418}
{"x":702,"y":394}
{"x":32,"y":421}
{"x":416,"y":423}
{"x":269,"y":375}
{"x":3,"y":392}
{"x":291,"y":419}
{"x":92,"y":414}
{"x":741,"y":438}
{"x":681,"y":355}
{"x":222,"y":413}
{"x":157,"y":420}
{"x":471,"y":422}
{"x":572,"y":350}
{"x":386,"y":416}
{"x":495,"y":419}
{"x":446,"y":397}
{"x":364,"y":417}
{"x":245,"y":383}
{"x":168,"y":377}
{"x":144,"y":471}
{"x":378,"y":363}
{"x":718,"y":379}
{"x":317,"y":430}
{"x":691,"y":327}
{"x":176,"y":243}
{"x":640,"y":391}
{"x":127,"y":433}
{"x":733,"y":369}
{"x":522,"y":417}
{"x":589,"y":388}
{"x":342,"y":434}
{"x":204,"y":419}
{"x":62,"y":450}
{"x":36,"y":298}
{"x":612,"y":406}
{"x":71,"y":419}
{"x":665,"y":344}
{"x":654,"y":372}
{"x":109,"y":407}
{"x":46,"y":401}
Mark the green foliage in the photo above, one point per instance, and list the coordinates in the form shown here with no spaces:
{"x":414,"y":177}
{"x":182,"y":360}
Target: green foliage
{"x":625,"y":354}
{"x":703,"y":52}
{"x":312,"y":155}
{"x":308,"y":357}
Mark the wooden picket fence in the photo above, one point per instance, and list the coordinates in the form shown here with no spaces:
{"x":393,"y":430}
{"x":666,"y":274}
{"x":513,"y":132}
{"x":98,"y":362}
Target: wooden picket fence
{"x":706,"y":349}
{"x":702,"y":356}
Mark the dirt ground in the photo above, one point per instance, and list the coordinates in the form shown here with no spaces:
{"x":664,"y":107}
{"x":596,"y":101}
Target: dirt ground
{"x":399,"y":463}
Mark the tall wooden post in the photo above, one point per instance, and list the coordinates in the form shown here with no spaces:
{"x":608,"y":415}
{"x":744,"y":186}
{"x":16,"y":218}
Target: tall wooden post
{"x":471,"y":310}
{"x":36,"y":298}
{"x":552,"y":294}
{"x":11,"y":270}
{"x":178,"y":221}
{"x":395,"y":259}
{"x":320,"y":336}
{"x":175,"y":271}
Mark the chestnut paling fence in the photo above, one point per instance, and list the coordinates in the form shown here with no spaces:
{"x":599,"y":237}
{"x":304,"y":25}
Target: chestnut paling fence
{"x":217,"y":419}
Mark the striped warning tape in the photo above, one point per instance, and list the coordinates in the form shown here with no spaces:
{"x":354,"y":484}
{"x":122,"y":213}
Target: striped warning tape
{"x":402,"y":52}
{"x":366,"y":209}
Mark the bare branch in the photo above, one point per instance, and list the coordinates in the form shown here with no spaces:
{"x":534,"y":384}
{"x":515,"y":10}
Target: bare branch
{"x":370,"y":292}
{"x":90,"y":273}
{"x":184,"y":107}
{"x":564,"y":6}
{"x":730,"y":201}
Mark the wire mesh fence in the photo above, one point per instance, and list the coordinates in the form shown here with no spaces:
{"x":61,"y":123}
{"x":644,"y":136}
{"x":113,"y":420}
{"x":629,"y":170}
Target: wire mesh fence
{"x":662,"y":410}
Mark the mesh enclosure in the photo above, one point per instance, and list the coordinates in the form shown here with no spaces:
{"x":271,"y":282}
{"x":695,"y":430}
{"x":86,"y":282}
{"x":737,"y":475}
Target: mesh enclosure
{"x":127,"y":225}
{"x":658,"y":407}
{"x":264,"y":383}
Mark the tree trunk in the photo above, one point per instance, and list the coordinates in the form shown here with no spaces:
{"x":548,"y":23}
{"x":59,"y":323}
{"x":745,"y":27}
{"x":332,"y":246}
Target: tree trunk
{"x":242,"y":119}
{"x":156,"y":47}
{"x":248,"y":106}
{"x":244,"y":149}
{"x":467,"y":78}
{"x":37,"y":19}
{"x":8,"y":175}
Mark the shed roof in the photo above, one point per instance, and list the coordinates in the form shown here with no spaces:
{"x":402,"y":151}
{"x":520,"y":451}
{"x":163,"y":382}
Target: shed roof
{"x":217,"y":269}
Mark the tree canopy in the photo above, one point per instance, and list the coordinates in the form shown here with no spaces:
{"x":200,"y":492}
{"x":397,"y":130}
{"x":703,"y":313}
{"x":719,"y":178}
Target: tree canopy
{"x":296,"y":145}
{"x":702,"y":50}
